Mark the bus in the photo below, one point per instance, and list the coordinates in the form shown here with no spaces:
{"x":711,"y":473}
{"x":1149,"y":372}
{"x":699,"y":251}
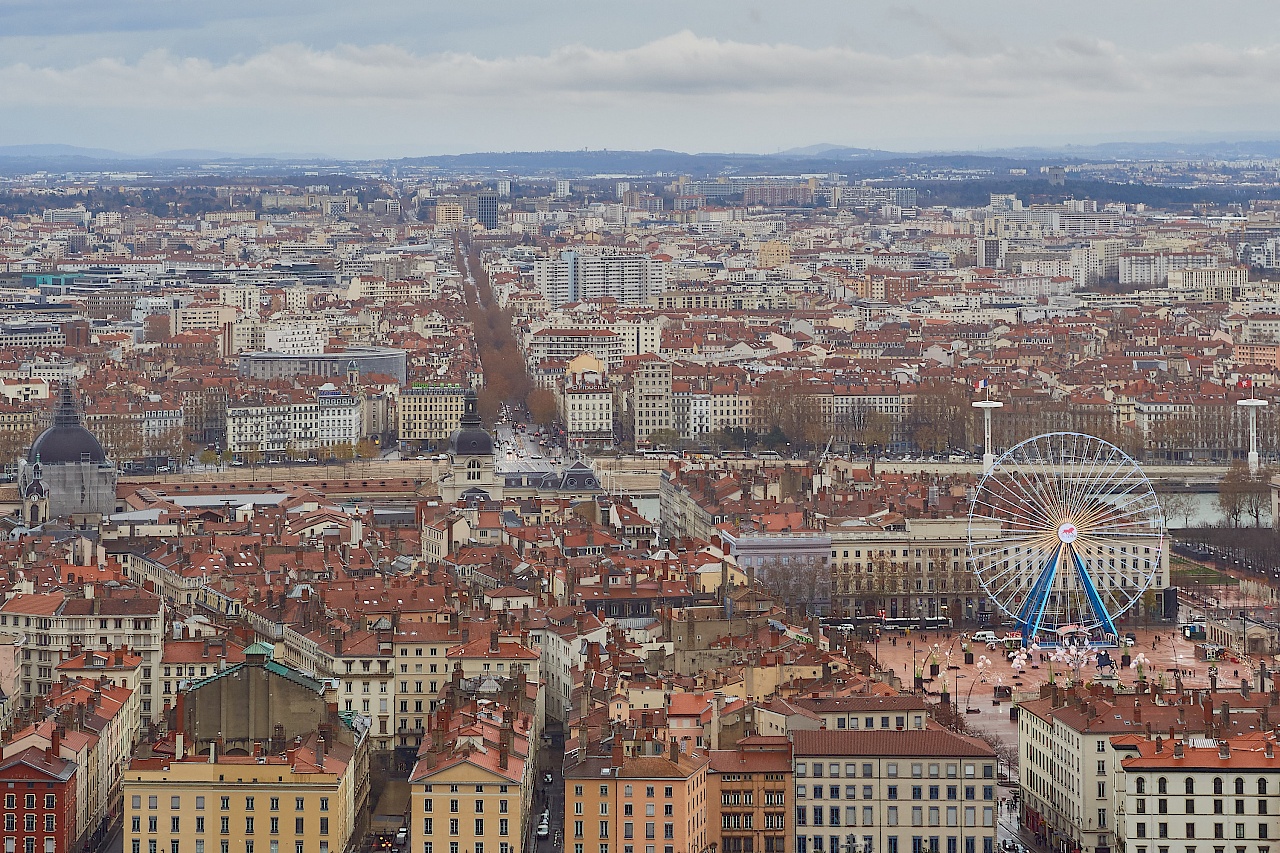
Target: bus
{"x":918,"y":623}
{"x":659,"y":454}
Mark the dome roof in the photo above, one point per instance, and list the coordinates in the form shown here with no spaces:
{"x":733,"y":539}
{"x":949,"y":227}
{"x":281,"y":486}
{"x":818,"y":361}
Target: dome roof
{"x":472,"y":439}
{"x":67,"y":440}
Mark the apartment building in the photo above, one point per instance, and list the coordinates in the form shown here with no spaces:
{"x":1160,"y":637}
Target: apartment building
{"x":296,"y":337}
{"x":918,"y":568}
{"x":501,"y":656}
{"x":748,"y":796}
{"x":1178,"y":795}
{"x":266,"y":430}
{"x":1069,"y":767}
{"x":429,"y":414}
{"x":586,"y":410}
{"x":637,"y":803}
{"x":471,"y":788}
{"x":94,"y":724}
{"x":650,"y":396}
{"x":931,"y":791}
{"x":301,"y":800}
{"x":1152,"y":269}
{"x":58,"y":627}
{"x":576,"y":277}
{"x":39,"y":800}
{"x":565,"y":344}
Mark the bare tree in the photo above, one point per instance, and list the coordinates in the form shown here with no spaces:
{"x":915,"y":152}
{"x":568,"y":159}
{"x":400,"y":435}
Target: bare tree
{"x":1232,"y":489}
{"x":803,"y":583}
{"x":1177,"y":505}
{"x":1257,"y":495}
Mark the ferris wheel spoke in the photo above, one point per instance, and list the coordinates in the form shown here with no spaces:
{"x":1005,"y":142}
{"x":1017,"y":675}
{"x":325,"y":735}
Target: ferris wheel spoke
{"x":1030,"y":495}
{"x":1101,"y":477}
{"x":1119,"y":510}
{"x":1006,"y":515}
{"x":1013,"y":514}
{"x":1014,"y":537}
{"x":1012,"y":575}
{"x":1040,"y":482}
{"x":1096,"y":469}
{"x":1021,"y":499}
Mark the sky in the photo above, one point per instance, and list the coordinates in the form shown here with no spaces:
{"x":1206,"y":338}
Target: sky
{"x":398,"y":78}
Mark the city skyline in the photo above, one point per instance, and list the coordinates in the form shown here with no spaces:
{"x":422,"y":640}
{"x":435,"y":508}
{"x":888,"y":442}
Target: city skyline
{"x":152,"y":77}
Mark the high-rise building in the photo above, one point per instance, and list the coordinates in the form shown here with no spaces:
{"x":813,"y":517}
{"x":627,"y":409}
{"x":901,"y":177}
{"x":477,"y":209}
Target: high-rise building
{"x":487,"y":209}
{"x":562,"y":189}
{"x":504,"y":188}
{"x":575,"y":277}
{"x":622,"y":188}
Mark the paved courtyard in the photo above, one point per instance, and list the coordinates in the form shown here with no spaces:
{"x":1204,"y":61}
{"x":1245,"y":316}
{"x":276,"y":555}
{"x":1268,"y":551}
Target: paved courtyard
{"x":973,"y":686}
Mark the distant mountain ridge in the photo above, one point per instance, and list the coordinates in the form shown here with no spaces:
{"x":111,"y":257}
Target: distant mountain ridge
{"x":820,"y":157}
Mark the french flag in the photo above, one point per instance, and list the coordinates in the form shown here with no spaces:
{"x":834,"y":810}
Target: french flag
{"x":980,"y":384}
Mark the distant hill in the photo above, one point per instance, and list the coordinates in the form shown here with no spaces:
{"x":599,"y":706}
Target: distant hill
{"x":857,"y":163}
{"x":55,"y":150}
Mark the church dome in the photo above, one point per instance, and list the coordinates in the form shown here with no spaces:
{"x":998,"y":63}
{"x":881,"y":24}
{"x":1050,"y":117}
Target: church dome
{"x":67,"y":440}
{"x":472,"y":439}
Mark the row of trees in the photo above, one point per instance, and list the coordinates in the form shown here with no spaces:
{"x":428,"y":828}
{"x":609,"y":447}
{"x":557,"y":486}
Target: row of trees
{"x":505,"y":378}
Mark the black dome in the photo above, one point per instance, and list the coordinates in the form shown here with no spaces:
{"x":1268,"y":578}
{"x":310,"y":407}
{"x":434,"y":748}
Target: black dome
{"x":67,"y":440}
{"x":472,"y":439}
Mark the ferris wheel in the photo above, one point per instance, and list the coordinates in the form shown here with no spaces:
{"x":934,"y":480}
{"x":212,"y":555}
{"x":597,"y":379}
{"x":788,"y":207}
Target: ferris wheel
{"x":1065,"y":535}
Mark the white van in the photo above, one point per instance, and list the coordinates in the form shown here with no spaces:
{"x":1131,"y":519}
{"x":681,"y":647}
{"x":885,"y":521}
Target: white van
{"x":984,"y":637}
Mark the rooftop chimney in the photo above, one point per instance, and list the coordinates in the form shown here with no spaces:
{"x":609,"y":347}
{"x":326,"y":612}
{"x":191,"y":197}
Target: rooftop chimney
{"x":1224,"y":750}
{"x":1177,"y":749}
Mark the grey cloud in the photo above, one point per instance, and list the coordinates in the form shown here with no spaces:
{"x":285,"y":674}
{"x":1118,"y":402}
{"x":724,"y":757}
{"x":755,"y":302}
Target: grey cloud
{"x":650,"y":92}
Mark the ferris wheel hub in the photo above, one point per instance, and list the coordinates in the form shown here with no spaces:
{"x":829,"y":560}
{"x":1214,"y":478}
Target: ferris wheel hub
{"x":1067,"y":532}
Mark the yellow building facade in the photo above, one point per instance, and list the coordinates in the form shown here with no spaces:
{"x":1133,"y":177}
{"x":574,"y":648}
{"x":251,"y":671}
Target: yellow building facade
{"x":299,"y":802}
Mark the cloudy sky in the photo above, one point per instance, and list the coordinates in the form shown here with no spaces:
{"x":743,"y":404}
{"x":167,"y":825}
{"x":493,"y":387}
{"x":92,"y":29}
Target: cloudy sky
{"x":409,"y":77}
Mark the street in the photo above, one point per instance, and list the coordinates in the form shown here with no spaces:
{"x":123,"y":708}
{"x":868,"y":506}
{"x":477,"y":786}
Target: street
{"x":549,"y":797}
